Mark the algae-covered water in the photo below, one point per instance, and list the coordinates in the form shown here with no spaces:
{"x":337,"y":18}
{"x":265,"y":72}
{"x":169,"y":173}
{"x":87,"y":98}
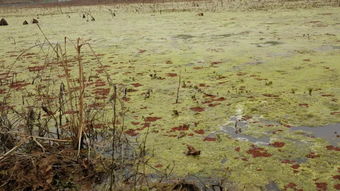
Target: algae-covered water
{"x":272,"y":76}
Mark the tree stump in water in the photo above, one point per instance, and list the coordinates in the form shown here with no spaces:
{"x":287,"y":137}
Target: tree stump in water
{"x":35,"y":21}
{"x":3,"y":22}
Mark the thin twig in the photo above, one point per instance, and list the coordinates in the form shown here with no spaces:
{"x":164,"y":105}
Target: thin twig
{"x":12,"y":150}
{"x":46,"y":138}
{"x":40,"y":145}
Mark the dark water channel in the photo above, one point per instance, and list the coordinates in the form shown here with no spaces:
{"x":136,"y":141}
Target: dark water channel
{"x":329,"y":133}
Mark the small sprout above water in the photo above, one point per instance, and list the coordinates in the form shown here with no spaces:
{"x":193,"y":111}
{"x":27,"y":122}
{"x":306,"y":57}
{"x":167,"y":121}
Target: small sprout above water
{"x":193,"y":97}
{"x":184,"y":85}
{"x":269,"y":83}
{"x":310,"y":90}
{"x":293,"y":90}
{"x":147,"y":94}
{"x":175,"y":113}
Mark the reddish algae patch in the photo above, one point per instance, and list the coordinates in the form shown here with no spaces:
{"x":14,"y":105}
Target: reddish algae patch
{"x":290,"y":185}
{"x":220,"y":99}
{"x":158,"y":166}
{"x":197,"y":109}
{"x":135,"y":123}
{"x":70,"y":112}
{"x":270,"y":95}
{"x":258,"y":152}
{"x":18,"y":85}
{"x":321,"y":186}
{"x":295,"y":166}
{"x":332,"y":148}
{"x":209,"y":139}
{"x":136,"y":85}
{"x":214,"y":105}
{"x":131,"y":132}
{"x":215,"y":63}
{"x":99,"y":83}
{"x":36,"y":68}
{"x":183,"y":127}
{"x":278,"y":144}
{"x":337,"y":186}
{"x":2,"y":91}
{"x":336,"y":177}
{"x":102,"y":91}
{"x":171,"y":74}
{"x":152,"y":119}
{"x":200,"y":131}
{"x":335,"y":113}
{"x":303,"y":105}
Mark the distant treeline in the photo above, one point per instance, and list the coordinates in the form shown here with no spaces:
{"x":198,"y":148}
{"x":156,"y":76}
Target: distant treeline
{"x":264,"y":3}
{"x":74,"y":2}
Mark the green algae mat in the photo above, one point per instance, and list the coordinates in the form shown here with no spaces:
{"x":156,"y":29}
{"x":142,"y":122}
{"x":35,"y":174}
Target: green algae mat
{"x":257,"y":93}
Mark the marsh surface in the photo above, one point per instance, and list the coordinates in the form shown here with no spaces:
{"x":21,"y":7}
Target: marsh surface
{"x":276,"y":71}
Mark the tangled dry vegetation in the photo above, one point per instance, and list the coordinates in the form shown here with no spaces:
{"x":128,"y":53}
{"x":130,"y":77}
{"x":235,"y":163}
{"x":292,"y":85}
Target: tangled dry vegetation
{"x":49,"y":141}
{"x":51,"y":170}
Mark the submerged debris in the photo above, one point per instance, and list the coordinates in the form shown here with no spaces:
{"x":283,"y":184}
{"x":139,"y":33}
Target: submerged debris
{"x":25,"y":23}
{"x":186,"y":186}
{"x":192,"y":151}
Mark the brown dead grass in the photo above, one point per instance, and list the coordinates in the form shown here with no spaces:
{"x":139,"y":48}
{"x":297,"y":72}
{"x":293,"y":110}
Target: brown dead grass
{"x":54,"y":170}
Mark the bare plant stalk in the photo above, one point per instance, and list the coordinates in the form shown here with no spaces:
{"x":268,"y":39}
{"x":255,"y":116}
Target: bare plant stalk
{"x":61,"y":103}
{"x":113,"y":136}
{"x":121,"y":133}
{"x":29,"y":122}
{"x":81,"y":97}
{"x":68,"y":83}
{"x":67,"y":74}
{"x":179,"y":86}
{"x":49,"y":42}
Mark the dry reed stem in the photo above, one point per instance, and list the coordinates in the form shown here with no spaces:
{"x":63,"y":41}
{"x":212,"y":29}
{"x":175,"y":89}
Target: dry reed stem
{"x":81,"y":97}
{"x":113,"y":136}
